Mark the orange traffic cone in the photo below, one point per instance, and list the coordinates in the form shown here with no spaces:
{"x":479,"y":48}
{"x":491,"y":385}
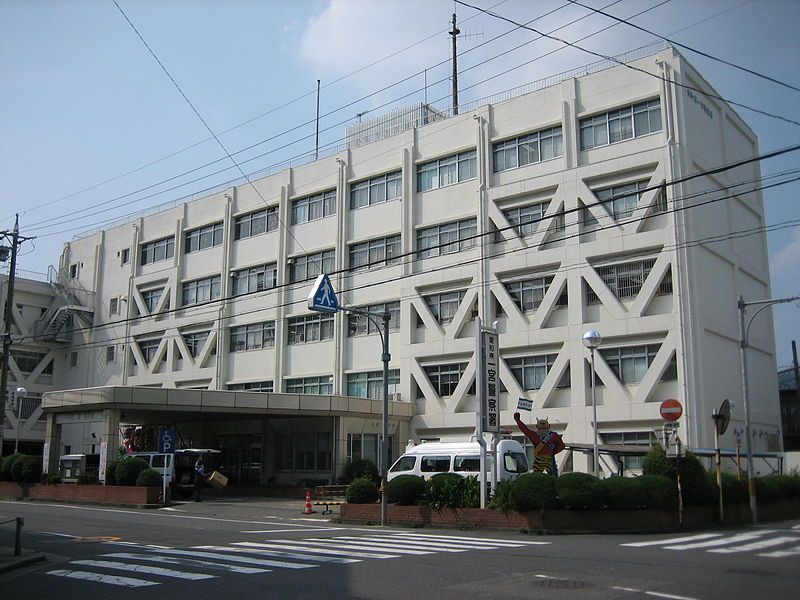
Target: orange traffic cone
{"x":308,"y":510}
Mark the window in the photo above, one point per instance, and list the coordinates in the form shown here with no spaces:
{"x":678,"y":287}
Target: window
{"x":310,"y":385}
{"x":435,"y":464}
{"x":73,"y":359}
{"x":370,"y":385}
{"x":375,"y":253}
{"x":254,"y":279}
{"x":158,"y":250}
{"x":303,"y":268}
{"x":447,"y":238}
{"x":528,"y":294}
{"x":203,"y":237}
{"x":73,"y":271}
{"x":303,"y":451}
{"x":196,"y":341}
{"x":252,"y":386}
{"x":149,"y":348}
{"x":151,"y":298}
{"x":200,"y":290}
{"x":621,"y":124}
{"x":530,"y":371}
{"x":467,"y":462}
{"x":625,"y":280}
{"x":405,"y":463}
{"x":314,"y":207}
{"x":253,"y":336}
{"x":361,"y":325}
{"x":447,"y":171}
{"x":111,"y":352}
{"x":525,"y":219}
{"x":113,"y":306}
{"x":310,"y":328}
{"x":444,"y":306}
{"x":256,"y":223}
{"x":630,"y":363}
{"x":527,"y":149}
{"x":366,"y":446}
{"x":620,"y":201}
{"x":376,"y":190}
{"x":28,"y":361}
{"x":631,"y":438}
{"x":125,"y":256}
{"x":445,"y":378}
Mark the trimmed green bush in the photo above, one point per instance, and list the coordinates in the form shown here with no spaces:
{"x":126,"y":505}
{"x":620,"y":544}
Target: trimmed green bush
{"x":788,"y":487}
{"x":54,"y":479}
{"x":470,"y":492}
{"x":111,"y":472}
{"x":405,"y":490}
{"x":5,"y":466}
{"x":500,"y":499}
{"x":661,"y":491}
{"x":443,"y":491}
{"x":360,"y":467}
{"x":30,"y":469}
{"x":734,"y":491}
{"x":362,"y":491}
{"x":128,"y":470}
{"x":87,"y":479}
{"x":533,"y":491}
{"x":149,"y":478}
{"x":694,"y":483}
{"x":580,"y":491}
{"x":16,"y":467}
{"x":767,"y":491}
{"x":625,"y":493}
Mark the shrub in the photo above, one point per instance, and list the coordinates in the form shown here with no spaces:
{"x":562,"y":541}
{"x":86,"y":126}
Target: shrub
{"x":533,"y":491}
{"x":694,"y":483}
{"x":149,"y":478}
{"x":87,"y":479}
{"x":111,"y":472}
{"x":471,"y":492}
{"x":31,"y":469}
{"x":767,"y":491}
{"x":625,"y":493}
{"x":405,"y":490}
{"x":443,"y":491}
{"x":128,"y":470}
{"x":361,"y":467}
{"x":734,"y":491}
{"x":54,"y":479}
{"x":661,"y":492}
{"x":788,"y":486}
{"x":16,"y":467}
{"x":362,"y":491}
{"x":5,"y":466}
{"x":500,"y":498}
{"x":580,"y":491}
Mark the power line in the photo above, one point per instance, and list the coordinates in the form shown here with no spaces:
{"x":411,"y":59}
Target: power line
{"x":687,"y":47}
{"x":611,"y":58}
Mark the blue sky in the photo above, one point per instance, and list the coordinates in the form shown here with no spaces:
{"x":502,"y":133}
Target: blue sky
{"x":87,"y":116}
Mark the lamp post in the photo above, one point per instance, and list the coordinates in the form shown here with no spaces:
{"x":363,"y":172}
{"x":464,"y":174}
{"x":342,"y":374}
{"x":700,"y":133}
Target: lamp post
{"x":592,"y":340}
{"x":21,"y":391}
{"x":744,"y":331}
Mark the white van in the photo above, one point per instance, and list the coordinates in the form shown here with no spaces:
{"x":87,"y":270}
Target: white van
{"x":178,"y":468}
{"x":427,"y":459}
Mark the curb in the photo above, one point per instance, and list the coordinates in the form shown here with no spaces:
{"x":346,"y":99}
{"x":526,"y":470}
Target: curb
{"x":19,"y":562}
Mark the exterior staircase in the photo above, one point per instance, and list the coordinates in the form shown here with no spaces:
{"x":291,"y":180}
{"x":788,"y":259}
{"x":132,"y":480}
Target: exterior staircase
{"x":70,"y":300}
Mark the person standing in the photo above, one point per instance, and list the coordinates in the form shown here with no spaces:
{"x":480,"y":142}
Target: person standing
{"x":199,"y":479}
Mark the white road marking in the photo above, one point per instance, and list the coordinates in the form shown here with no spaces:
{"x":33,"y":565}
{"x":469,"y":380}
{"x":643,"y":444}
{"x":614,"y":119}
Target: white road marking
{"x":108,"y":564}
{"x":691,"y":538}
{"x":649,"y":593}
{"x":135,"y":545}
{"x":66,"y":535}
{"x":97,"y":577}
{"x":432,"y":543}
{"x":734,"y":539}
{"x":391,"y":545}
{"x":467,"y":541}
{"x":292,"y":546}
{"x":759,"y":545}
{"x":782,"y":553}
{"x":239,"y":559}
{"x":189,"y":562}
{"x":279,"y":553}
{"x":293,"y":530}
{"x":360,"y":546}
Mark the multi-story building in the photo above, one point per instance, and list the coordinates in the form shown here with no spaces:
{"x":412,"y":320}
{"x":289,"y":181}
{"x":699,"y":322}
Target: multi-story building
{"x":577,"y":202}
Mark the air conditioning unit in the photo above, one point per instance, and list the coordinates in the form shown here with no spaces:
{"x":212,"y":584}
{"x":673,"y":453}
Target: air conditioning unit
{"x":396,"y":397}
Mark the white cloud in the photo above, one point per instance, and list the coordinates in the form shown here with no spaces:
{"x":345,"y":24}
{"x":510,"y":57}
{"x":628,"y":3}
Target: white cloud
{"x":788,"y":257}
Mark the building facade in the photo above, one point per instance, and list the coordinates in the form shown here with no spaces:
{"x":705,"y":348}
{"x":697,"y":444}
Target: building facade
{"x":578,"y":202}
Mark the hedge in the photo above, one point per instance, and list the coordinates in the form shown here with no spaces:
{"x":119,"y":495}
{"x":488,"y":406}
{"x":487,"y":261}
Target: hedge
{"x":533,"y":491}
{"x":580,"y":491}
{"x":661,"y":492}
{"x":149,"y":478}
{"x":360,"y":467}
{"x":128,"y":470}
{"x":362,"y":491}
{"x":625,"y":493}
{"x":405,"y":490}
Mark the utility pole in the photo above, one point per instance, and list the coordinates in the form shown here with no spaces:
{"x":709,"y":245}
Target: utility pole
{"x":15,"y":239}
{"x":454,"y":33}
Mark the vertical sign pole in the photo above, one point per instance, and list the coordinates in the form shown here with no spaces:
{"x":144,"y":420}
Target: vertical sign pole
{"x":479,"y":390}
{"x":718,"y":460}
{"x":385,"y":357}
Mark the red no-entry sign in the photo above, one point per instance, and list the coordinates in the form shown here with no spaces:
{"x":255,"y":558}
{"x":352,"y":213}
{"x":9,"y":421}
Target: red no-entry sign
{"x":671,"y":410}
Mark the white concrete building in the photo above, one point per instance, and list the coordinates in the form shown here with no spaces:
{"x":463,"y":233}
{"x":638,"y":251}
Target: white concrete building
{"x":556,"y":208}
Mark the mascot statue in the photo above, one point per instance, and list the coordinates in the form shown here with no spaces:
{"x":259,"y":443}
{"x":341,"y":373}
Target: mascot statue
{"x":546,"y":444}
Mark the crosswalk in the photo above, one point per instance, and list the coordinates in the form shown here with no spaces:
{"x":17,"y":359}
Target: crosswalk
{"x":153,"y":565}
{"x":767,"y":543}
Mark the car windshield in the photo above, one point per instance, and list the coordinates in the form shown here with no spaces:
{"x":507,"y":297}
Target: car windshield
{"x":515,"y":462}
{"x":404,"y":463}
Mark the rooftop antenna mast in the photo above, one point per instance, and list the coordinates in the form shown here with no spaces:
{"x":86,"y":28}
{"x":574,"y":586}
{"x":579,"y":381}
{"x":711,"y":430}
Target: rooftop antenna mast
{"x":454,"y":33}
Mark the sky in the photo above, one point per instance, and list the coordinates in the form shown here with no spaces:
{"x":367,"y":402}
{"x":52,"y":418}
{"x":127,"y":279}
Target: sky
{"x":93,"y":131}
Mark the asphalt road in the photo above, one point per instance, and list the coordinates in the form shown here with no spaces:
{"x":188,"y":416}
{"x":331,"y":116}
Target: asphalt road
{"x":240,"y":548}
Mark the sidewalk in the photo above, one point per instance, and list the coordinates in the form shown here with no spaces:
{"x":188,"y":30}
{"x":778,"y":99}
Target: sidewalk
{"x":9,"y":562}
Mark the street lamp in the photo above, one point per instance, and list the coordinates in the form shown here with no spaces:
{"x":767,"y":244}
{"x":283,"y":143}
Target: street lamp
{"x":592,"y":340}
{"x":744,"y":331}
{"x":21,"y":391}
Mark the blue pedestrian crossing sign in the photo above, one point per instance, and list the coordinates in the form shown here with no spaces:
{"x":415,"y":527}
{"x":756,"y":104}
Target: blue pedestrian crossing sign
{"x":322,"y":297}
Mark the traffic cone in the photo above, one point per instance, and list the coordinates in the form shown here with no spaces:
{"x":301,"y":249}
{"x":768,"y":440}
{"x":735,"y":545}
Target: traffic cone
{"x":308,"y":510}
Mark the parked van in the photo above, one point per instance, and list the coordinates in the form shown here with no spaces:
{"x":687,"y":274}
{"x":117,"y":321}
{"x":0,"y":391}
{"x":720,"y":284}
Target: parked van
{"x":178,"y":468}
{"x":427,"y":459}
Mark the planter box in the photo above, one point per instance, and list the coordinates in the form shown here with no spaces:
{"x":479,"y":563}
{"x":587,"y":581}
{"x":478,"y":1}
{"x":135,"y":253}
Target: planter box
{"x":94,"y":494}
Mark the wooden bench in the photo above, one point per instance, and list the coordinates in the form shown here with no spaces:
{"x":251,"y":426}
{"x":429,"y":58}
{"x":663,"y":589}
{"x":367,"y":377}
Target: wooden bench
{"x":330,"y":495}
